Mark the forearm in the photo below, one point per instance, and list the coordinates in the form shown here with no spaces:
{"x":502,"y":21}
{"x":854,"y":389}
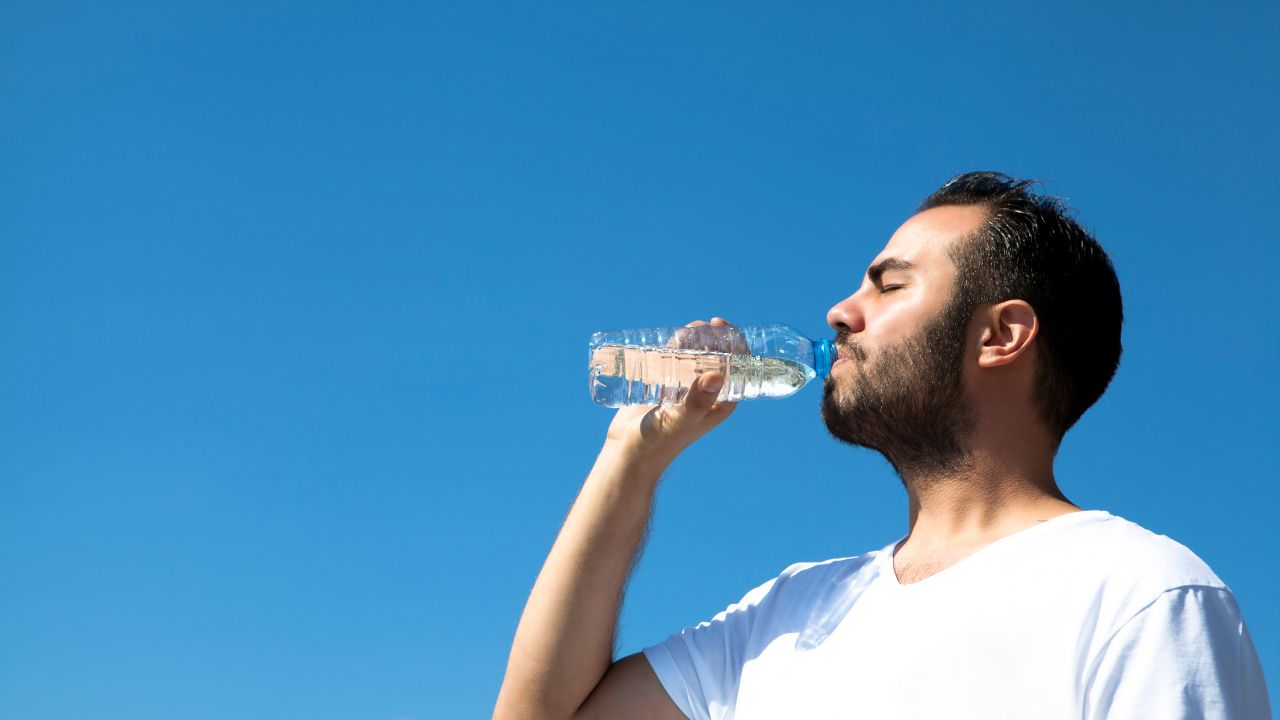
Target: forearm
{"x":564,"y":643}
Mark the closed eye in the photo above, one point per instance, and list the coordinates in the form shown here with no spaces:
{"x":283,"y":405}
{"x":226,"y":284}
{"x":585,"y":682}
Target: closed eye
{"x":890,"y":288}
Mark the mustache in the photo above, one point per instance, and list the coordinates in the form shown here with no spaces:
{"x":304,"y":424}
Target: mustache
{"x":852,"y":347}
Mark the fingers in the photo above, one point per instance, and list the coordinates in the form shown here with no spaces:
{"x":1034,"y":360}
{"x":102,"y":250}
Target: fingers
{"x":700,"y":401}
{"x":702,"y":394}
{"x":700,"y":335}
{"x":732,"y":341}
{"x":719,"y":412}
{"x":700,"y":409}
{"x":714,"y":321}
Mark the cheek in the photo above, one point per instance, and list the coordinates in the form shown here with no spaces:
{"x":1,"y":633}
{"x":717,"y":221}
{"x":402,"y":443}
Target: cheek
{"x":890,"y":327}
{"x":898,"y":320}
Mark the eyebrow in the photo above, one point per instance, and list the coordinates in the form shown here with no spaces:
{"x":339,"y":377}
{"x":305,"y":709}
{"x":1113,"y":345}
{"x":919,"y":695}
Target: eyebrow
{"x":886,"y":265}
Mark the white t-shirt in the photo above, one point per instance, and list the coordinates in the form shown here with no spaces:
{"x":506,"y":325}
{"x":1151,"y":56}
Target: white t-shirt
{"x":1083,"y":616}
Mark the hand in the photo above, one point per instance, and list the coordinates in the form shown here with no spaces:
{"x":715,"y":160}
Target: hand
{"x":658,"y":434}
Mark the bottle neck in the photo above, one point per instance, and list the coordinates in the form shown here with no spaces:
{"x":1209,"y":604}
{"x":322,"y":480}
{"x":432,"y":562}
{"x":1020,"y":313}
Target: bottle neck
{"x":824,"y":354}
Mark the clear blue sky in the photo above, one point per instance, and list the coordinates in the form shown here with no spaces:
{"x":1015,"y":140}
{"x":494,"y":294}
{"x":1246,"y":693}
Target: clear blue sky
{"x":295,"y":300}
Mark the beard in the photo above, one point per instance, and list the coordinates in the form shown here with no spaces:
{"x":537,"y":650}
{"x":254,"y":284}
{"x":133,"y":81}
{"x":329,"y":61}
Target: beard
{"x":908,"y":402}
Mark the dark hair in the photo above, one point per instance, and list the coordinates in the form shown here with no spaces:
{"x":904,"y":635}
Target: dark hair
{"x":1030,"y":249}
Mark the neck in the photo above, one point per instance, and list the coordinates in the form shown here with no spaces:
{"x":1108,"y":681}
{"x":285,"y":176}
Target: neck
{"x":996,"y":489}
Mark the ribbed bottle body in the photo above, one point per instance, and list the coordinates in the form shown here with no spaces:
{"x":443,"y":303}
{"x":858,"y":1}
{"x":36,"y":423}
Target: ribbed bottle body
{"x":657,"y":365}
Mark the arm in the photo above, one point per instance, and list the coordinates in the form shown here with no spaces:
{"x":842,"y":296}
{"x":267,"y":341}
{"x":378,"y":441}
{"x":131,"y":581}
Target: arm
{"x":560,"y":665}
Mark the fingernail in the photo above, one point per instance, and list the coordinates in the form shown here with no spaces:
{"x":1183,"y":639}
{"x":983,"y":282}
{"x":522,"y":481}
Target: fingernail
{"x":713,"y":384}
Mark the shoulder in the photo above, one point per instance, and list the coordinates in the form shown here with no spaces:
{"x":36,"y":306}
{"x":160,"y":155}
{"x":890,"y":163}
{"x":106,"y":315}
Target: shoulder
{"x":1130,"y":555}
{"x":804,"y":575}
{"x":1112,"y":571}
{"x":803,"y":585}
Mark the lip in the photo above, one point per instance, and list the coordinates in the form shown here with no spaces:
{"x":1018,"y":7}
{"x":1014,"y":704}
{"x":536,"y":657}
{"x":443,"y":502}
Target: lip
{"x":838,"y":361}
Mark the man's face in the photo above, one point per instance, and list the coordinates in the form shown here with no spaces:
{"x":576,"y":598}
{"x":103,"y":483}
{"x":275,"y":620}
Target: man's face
{"x":898,"y":386}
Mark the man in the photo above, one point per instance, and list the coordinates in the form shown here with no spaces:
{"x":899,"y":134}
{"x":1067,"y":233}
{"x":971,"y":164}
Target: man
{"x":980,"y":334}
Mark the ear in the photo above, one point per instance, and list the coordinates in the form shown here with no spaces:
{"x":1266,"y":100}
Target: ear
{"x":1007,"y":331}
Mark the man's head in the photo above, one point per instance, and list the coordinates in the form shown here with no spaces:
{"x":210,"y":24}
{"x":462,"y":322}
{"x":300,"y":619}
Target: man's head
{"x":987,"y":276}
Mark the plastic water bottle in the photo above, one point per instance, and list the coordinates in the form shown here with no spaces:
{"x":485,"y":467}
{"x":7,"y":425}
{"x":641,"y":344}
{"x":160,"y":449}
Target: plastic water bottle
{"x":657,"y":365}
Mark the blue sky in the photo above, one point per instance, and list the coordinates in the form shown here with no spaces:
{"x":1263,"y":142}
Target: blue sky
{"x":296,"y":297}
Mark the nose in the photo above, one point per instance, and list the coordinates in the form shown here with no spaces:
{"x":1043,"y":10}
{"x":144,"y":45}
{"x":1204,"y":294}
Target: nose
{"x":846,"y":316}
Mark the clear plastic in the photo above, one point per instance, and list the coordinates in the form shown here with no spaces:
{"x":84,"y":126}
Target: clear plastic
{"x":657,"y":365}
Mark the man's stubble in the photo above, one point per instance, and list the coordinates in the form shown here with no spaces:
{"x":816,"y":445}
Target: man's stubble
{"x":906,"y":402}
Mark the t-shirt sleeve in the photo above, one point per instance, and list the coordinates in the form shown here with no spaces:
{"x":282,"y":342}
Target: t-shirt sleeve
{"x":700,"y":666}
{"x":1186,"y":655}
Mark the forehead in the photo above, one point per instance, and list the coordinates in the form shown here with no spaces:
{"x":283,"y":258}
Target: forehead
{"x":923,"y":240}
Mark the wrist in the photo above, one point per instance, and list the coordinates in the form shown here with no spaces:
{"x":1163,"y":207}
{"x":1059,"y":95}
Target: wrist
{"x":627,"y":458}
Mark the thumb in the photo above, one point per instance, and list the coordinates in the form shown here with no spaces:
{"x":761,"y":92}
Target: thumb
{"x":703,"y":392}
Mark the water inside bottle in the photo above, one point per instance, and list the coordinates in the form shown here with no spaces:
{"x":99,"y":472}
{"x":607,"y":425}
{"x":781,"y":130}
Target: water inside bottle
{"x":622,"y":375}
